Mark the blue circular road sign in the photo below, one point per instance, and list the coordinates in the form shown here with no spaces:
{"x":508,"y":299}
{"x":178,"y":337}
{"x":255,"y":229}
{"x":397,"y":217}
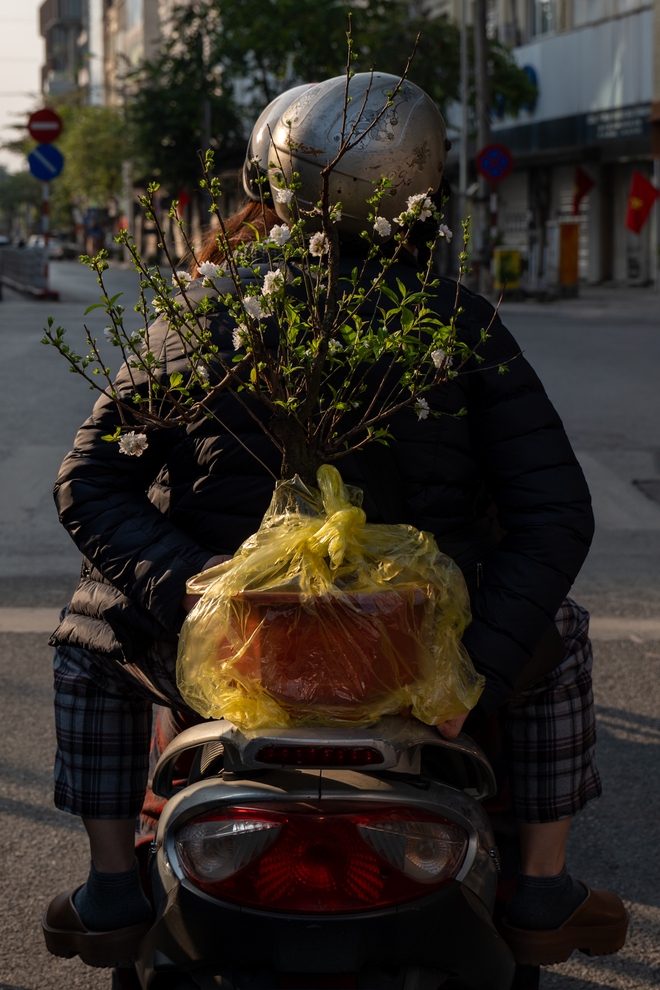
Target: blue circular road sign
{"x":494,"y":162}
{"x":46,"y":162}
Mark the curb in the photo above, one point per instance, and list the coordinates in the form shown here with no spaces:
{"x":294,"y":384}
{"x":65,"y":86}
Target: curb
{"x":30,"y":290}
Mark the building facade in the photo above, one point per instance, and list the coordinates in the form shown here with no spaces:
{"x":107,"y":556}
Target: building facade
{"x":61,"y":26}
{"x":592,"y":61}
{"x":91,"y":45}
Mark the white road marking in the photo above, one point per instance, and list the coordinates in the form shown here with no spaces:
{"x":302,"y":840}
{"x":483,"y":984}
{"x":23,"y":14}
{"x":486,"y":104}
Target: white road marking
{"x":29,"y":620}
{"x":602,"y":628}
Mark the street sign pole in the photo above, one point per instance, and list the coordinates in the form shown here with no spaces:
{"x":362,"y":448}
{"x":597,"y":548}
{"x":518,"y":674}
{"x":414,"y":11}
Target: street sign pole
{"x":493,"y":212}
{"x":494,"y":164}
{"x":46,"y":163}
{"x":45,"y":223}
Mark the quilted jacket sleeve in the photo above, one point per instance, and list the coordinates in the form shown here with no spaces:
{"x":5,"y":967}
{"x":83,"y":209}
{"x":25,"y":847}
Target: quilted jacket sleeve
{"x":543,"y":505}
{"x":101,"y":497}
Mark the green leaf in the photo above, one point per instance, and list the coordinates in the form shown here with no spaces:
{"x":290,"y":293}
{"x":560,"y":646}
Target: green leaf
{"x":89,"y":309}
{"x":112,"y":436}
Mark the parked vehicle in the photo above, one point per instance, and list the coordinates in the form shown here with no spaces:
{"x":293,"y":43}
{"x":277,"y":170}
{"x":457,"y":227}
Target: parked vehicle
{"x":57,"y":249}
{"x":324,"y":859}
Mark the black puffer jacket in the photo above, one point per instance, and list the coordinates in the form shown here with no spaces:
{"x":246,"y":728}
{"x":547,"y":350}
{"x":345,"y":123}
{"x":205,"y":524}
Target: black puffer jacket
{"x":146,"y":524}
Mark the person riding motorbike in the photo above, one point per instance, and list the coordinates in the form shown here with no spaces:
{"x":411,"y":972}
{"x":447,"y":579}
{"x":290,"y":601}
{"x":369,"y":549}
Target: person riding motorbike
{"x":499,"y":488}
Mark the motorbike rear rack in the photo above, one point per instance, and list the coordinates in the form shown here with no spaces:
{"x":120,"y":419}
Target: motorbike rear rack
{"x":403,"y":745}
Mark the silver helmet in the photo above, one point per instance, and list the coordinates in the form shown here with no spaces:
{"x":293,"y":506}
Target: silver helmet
{"x":408,"y":145}
{"x":255,"y":165}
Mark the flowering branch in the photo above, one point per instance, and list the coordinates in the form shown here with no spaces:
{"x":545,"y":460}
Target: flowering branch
{"x":319,"y":376}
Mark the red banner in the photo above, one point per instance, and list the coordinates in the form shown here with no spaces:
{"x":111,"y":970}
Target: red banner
{"x":582,"y":186}
{"x":641,"y":198}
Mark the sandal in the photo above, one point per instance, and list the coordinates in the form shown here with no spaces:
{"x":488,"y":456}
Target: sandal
{"x":597,"y":927}
{"x":66,"y":935}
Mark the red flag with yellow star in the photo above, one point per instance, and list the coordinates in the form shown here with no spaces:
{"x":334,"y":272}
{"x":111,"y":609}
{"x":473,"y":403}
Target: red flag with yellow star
{"x":641,"y":198}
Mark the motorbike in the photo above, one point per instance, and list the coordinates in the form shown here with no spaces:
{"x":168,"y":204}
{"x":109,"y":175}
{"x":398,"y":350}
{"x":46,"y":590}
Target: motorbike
{"x":324,"y":859}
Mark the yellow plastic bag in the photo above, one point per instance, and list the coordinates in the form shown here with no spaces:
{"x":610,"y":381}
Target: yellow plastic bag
{"x":324,"y":619}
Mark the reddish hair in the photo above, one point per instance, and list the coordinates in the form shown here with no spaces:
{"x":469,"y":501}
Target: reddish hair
{"x":242,"y":226}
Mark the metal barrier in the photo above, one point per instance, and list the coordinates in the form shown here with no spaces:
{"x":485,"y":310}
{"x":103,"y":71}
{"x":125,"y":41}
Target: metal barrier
{"x":26,"y":270}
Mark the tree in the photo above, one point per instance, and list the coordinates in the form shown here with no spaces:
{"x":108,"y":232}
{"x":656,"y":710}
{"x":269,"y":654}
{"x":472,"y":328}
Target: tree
{"x":17,"y":191}
{"x":224,"y":60}
{"x":94,"y":145}
{"x":94,"y":142}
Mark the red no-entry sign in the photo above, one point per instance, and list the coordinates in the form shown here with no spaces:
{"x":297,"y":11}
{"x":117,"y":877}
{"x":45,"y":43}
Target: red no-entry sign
{"x":45,"y":126}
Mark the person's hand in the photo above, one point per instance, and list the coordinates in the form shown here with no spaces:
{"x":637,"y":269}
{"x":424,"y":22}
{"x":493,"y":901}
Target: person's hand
{"x":189,"y":601}
{"x":452,"y":726}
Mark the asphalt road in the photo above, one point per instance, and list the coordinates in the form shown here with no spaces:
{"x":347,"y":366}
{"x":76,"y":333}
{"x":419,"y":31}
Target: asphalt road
{"x":598,"y":357}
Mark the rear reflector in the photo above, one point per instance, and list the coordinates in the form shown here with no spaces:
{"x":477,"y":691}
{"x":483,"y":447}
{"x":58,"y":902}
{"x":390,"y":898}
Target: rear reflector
{"x":319,"y":756}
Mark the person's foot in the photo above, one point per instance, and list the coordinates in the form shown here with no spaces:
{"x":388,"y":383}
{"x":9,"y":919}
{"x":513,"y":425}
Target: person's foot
{"x":67,"y":935}
{"x":597,"y":927}
{"x":112,"y":900}
{"x":103,"y":921}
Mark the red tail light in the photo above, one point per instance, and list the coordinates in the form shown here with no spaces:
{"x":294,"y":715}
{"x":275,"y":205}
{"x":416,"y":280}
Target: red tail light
{"x":319,"y":756}
{"x":298,"y":858}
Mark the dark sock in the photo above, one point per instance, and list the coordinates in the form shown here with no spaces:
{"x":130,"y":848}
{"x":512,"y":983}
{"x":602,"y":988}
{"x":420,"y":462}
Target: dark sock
{"x":544,"y":902}
{"x":112,"y":900}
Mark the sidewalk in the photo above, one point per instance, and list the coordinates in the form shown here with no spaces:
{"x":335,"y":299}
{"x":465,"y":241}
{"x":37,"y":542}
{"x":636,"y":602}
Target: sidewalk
{"x":594,"y":302}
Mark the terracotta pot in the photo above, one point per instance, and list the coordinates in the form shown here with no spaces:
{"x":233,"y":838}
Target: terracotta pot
{"x":334,"y":652}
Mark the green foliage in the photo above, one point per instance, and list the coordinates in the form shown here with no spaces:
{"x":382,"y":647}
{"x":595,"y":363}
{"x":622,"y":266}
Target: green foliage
{"x":17,"y":191}
{"x":511,"y":87}
{"x":94,"y":145}
{"x":313,"y":382}
{"x":220,"y":47}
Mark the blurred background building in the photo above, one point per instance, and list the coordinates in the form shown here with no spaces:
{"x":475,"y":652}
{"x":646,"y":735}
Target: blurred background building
{"x":590,"y":128}
{"x":92,"y":44}
{"x":596,"y":64}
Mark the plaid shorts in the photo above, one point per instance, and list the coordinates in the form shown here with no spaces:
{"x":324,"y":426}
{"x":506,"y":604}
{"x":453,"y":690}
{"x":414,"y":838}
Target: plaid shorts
{"x":103,"y":717}
{"x":549,"y":731}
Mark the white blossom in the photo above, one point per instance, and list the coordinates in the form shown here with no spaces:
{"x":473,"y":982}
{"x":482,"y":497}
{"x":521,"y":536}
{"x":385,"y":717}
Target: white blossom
{"x":182,"y":276}
{"x":159,"y":304}
{"x":283,"y":196}
{"x":335,"y":345}
{"x":444,"y":231}
{"x":438,"y":357}
{"x":240,"y":336}
{"x":318,"y":245}
{"x":253,"y":307}
{"x":273,"y":282}
{"x":109,"y":334}
{"x":135,"y":337}
{"x":418,"y":207}
{"x":335,"y":214}
{"x":280,"y":234}
{"x":201,"y":371}
{"x":133,"y":444}
{"x":382,"y":226}
{"x":208,"y":270}
{"x":421,"y":408}
{"x":420,"y":202}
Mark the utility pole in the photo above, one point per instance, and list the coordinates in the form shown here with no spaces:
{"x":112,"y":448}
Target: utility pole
{"x":463,"y":150}
{"x":482,"y":94}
